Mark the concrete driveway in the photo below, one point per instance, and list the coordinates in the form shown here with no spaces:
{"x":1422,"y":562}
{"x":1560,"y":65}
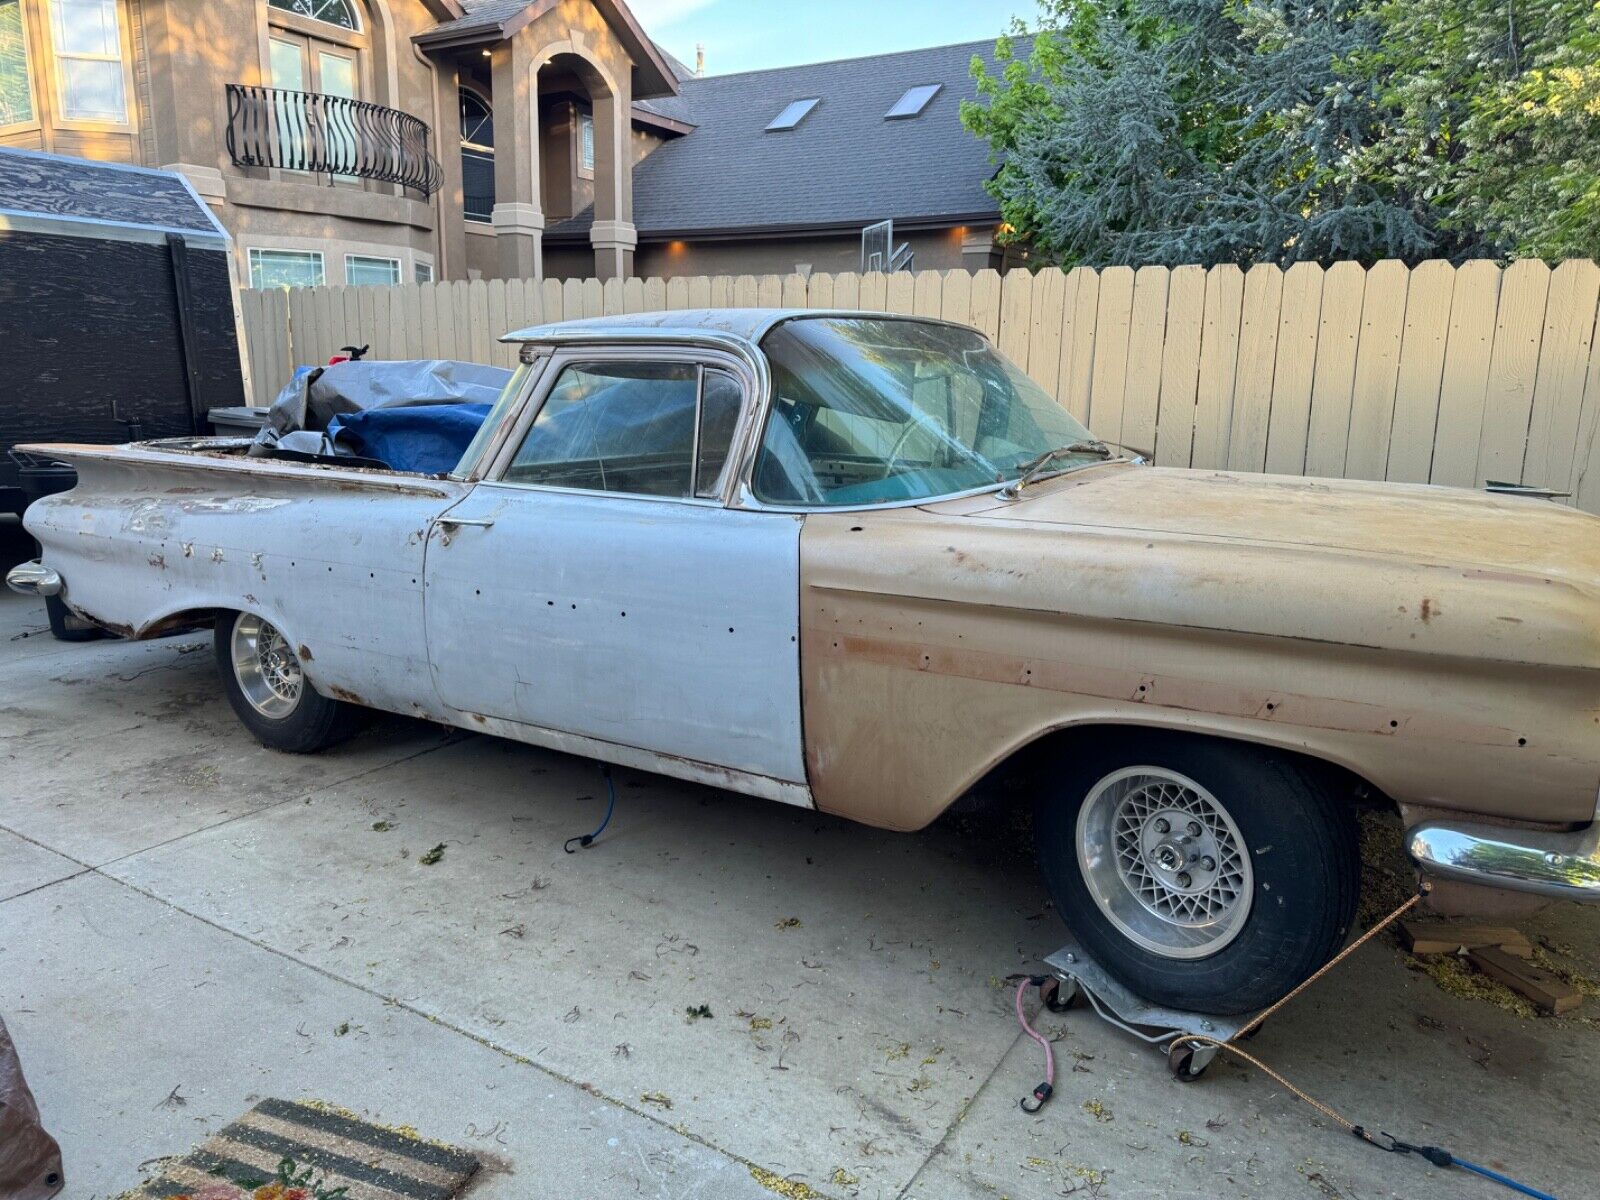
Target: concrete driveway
{"x":189,"y":922}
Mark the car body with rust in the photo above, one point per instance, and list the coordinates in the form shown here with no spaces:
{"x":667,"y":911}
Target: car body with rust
{"x":861,"y":563}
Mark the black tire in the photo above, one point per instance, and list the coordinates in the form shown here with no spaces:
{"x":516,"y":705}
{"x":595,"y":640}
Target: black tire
{"x":67,"y":626}
{"x":1302,"y":847}
{"x":315,"y":723}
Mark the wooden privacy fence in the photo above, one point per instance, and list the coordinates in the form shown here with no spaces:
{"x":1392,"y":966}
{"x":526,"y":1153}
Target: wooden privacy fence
{"x":1442,"y":374}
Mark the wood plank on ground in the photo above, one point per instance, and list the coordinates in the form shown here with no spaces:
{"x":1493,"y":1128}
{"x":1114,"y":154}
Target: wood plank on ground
{"x":1549,"y":992}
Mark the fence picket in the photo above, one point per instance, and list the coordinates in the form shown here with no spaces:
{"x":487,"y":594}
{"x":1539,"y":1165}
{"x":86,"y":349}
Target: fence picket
{"x":1289,"y":421}
{"x":1383,"y":314}
{"x":1180,"y":367}
{"x":1558,"y":386}
{"x":1259,"y":317}
{"x":1219,"y":354}
{"x":1338,"y":331}
{"x":1077,"y":343}
{"x":1416,"y":393}
{"x":1142,"y":389}
{"x":1464,"y":388}
{"x":1513,"y":366}
{"x":1016,"y":314}
{"x":1044,"y":329}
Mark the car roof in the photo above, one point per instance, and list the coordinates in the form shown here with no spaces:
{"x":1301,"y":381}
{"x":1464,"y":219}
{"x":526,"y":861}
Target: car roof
{"x":747,"y":325}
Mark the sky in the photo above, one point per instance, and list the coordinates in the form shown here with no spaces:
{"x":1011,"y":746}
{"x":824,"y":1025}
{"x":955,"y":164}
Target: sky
{"x":750,"y":35}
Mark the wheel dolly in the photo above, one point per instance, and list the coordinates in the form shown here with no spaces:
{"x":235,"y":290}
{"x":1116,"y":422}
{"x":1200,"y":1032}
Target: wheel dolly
{"x":1075,"y":974}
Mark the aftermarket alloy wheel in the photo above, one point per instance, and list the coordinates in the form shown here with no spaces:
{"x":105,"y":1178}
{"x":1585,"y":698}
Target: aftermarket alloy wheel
{"x":1206,"y":875}
{"x":267,"y":687}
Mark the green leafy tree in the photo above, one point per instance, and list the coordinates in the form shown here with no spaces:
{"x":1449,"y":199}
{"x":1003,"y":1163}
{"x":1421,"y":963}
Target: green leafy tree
{"x":1171,"y":131}
{"x":1493,"y":115}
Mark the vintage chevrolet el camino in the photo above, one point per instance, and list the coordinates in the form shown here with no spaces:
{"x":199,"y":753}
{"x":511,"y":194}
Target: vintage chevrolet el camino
{"x":861,"y":563}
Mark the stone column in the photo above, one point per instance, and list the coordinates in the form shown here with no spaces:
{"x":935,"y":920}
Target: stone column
{"x":518,"y":218}
{"x":613,"y":235}
{"x":450,"y":261}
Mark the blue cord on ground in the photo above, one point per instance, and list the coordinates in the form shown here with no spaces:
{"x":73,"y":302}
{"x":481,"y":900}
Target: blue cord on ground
{"x":574,"y":844}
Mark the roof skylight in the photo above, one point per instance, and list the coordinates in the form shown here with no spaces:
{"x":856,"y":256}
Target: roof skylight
{"x":793,"y":114}
{"x":913,"y":102}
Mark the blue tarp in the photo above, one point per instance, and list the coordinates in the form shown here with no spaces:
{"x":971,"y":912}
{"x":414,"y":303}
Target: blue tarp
{"x":427,"y":438}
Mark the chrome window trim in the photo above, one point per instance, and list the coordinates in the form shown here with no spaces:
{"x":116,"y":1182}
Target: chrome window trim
{"x":498,"y":458}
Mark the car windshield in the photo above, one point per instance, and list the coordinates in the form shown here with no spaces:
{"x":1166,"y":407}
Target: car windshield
{"x":871,"y":410}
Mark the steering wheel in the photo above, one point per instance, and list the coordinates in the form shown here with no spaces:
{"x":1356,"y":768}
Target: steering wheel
{"x":894,"y":451}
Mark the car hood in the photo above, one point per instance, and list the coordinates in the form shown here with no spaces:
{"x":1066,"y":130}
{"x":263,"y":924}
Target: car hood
{"x":1416,"y":523}
{"x":1406,"y":567}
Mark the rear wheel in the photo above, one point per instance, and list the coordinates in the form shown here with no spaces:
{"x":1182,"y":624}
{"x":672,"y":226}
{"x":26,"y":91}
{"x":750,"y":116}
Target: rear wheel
{"x":262,"y":676}
{"x":1205,"y":875}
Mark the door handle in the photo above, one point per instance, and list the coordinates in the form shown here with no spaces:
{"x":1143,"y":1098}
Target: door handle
{"x":477,"y":522}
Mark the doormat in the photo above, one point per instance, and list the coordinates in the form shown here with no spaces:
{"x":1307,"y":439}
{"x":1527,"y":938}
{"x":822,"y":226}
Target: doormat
{"x":281,"y":1150}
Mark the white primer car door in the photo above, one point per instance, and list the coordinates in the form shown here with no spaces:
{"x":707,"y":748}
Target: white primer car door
{"x":665,"y":623}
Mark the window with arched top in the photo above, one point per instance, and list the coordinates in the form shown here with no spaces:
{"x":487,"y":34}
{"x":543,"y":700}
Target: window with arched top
{"x":334,"y":12}
{"x":477,"y":156}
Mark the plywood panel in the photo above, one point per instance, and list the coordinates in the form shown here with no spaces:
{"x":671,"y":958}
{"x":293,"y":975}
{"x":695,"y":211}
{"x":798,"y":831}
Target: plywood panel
{"x":1219,"y":352}
{"x":1289,"y":422}
{"x":1416,"y":393}
{"x":1569,"y":325}
{"x":1513,"y":368}
{"x":1259,"y":317}
{"x":1338,"y":335}
{"x":1142,"y":392}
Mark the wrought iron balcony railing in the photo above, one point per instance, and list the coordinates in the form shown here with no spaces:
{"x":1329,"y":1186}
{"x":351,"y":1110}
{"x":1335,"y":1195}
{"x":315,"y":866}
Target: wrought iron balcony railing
{"x":308,"y":131}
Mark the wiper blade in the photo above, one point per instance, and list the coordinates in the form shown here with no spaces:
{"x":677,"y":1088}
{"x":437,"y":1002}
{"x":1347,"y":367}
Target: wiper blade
{"x":1036,"y":465}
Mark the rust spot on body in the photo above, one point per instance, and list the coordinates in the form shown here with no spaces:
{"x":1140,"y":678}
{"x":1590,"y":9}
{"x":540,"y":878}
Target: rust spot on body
{"x":1429,"y":610}
{"x":345,"y":694}
{"x":304,"y":651}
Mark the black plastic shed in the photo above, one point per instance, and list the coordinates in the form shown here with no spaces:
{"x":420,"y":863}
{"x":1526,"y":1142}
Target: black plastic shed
{"x":116,"y":307}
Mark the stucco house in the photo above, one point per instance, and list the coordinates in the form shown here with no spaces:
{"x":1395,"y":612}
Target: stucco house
{"x":381,"y":141}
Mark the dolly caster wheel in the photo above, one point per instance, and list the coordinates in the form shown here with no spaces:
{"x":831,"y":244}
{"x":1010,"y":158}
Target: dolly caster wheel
{"x":1059,"y":995}
{"x":1188,"y":1062}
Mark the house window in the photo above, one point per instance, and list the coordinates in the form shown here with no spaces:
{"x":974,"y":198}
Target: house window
{"x":477,"y":156}
{"x":335,"y":12}
{"x":88,"y":46}
{"x":16,"y":84}
{"x":286,"y":268}
{"x":366,"y":270}
{"x":422,"y":272}
{"x":586,"y":141}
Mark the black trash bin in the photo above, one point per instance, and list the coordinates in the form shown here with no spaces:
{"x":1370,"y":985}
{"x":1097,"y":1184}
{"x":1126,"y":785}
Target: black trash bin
{"x":39,"y":478}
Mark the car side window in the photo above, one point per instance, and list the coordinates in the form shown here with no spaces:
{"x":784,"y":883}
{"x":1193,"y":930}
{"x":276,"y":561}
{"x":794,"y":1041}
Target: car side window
{"x":614,"y":427}
{"x":721,"y":398}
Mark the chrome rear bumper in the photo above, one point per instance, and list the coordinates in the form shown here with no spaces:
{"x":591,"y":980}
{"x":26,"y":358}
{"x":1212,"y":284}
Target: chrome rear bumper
{"x":33,"y":579}
{"x":1565,"y":866}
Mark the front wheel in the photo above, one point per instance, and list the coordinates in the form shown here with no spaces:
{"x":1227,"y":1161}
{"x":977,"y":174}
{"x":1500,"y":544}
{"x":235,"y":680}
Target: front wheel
{"x":262,"y":676}
{"x":1205,"y":875}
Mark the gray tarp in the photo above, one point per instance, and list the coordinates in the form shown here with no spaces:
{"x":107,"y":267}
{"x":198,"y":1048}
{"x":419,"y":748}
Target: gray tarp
{"x":309,"y":401}
{"x":30,"y":1160}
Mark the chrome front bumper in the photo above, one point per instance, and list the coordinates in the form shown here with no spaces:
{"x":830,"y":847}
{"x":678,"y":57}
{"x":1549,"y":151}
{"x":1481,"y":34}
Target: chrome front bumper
{"x":33,"y":579}
{"x":1565,"y":866}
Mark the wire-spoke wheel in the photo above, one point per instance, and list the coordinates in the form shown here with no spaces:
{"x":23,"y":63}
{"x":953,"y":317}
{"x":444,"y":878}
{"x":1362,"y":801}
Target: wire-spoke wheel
{"x":1206,"y":875}
{"x":267,"y":686}
{"x":1164,"y":861}
{"x":267,"y":669}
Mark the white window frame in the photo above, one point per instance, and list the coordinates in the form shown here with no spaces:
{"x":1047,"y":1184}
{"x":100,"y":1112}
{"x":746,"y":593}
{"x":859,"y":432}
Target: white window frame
{"x":585,"y":123}
{"x":399,"y":274}
{"x":122,"y":58}
{"x":422,"y":271}
{"x":252,"y":258}
{"x":30,"y":60}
